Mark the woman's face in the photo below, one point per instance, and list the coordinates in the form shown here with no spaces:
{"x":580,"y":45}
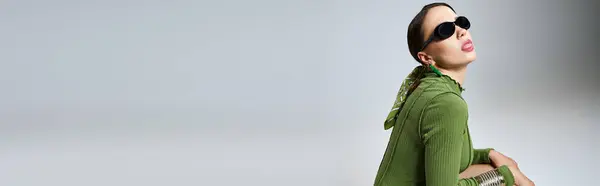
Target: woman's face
{"x":454,"y":52}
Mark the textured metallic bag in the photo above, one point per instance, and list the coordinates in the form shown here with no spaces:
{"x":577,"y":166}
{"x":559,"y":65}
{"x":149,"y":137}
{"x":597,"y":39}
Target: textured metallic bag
{"x":490,"y":178}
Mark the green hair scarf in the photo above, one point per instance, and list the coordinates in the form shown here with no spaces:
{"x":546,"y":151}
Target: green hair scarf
{"x":403,"y":93}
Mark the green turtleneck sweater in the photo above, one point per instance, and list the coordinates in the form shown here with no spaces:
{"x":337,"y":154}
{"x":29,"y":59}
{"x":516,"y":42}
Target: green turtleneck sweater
{"x":430,"y":143}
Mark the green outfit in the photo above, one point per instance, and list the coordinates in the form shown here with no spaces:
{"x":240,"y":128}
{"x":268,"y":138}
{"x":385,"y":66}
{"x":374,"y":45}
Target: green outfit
{"x":430,"y":142}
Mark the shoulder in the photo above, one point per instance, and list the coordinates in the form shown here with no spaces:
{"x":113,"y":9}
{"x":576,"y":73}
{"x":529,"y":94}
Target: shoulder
{"x":436,"y":92}
{"x":447,"y":101}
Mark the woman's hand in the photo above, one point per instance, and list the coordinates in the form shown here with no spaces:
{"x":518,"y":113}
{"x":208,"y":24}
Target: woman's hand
{"x":498,"y":159}
{"x":520,"y":178}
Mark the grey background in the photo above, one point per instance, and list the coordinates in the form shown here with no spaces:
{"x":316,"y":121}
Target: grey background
{"x":272,"y":92}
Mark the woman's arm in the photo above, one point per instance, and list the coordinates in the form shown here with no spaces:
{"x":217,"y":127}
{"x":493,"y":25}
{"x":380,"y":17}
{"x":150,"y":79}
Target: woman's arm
{"x":442,"y":126}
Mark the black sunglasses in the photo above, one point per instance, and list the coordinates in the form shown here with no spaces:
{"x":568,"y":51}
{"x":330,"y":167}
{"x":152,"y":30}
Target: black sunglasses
{"x":446,"y":29}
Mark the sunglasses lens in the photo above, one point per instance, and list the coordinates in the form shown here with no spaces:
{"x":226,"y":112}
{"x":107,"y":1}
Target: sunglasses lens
{"x":445,"y":30}
{"x":463,"y":22}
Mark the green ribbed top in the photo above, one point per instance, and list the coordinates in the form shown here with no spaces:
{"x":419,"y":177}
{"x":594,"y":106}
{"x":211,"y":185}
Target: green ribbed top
{"x":430,"y":142}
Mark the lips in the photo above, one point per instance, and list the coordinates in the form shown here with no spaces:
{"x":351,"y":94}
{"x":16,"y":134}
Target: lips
{"x":468,"y":46}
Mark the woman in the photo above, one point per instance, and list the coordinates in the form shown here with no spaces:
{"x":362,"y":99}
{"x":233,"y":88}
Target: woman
{"x":430,"y":144}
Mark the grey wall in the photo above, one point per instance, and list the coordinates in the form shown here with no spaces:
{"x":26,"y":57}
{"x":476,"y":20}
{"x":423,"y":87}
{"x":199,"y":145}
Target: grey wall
{"x":276,"y":92}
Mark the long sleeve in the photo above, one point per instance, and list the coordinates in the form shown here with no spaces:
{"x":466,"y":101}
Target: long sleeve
{"x":481,"y":156}
{"x":443,"y":124}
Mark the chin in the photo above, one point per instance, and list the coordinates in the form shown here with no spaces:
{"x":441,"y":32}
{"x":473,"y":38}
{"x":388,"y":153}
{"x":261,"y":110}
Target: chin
{"x":471,"y":56}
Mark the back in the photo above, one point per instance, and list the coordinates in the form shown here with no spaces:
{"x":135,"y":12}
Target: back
{"x":403,"y":163}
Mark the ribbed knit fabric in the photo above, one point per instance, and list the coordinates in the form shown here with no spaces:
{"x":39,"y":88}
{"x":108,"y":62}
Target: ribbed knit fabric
{"x":430,"y":143}
{"x":481,"y":156}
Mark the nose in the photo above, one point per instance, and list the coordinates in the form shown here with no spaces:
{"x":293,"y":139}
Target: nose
{"x":460,"y":32}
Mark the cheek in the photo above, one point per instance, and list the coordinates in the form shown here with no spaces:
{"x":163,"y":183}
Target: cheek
{"x":449,"y":48}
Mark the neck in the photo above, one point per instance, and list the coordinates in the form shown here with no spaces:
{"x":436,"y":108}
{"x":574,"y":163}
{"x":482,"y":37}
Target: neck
{"x":457,"y":74}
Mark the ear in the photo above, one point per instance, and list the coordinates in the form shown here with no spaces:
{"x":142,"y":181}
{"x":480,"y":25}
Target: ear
{"x":425,"y":59}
